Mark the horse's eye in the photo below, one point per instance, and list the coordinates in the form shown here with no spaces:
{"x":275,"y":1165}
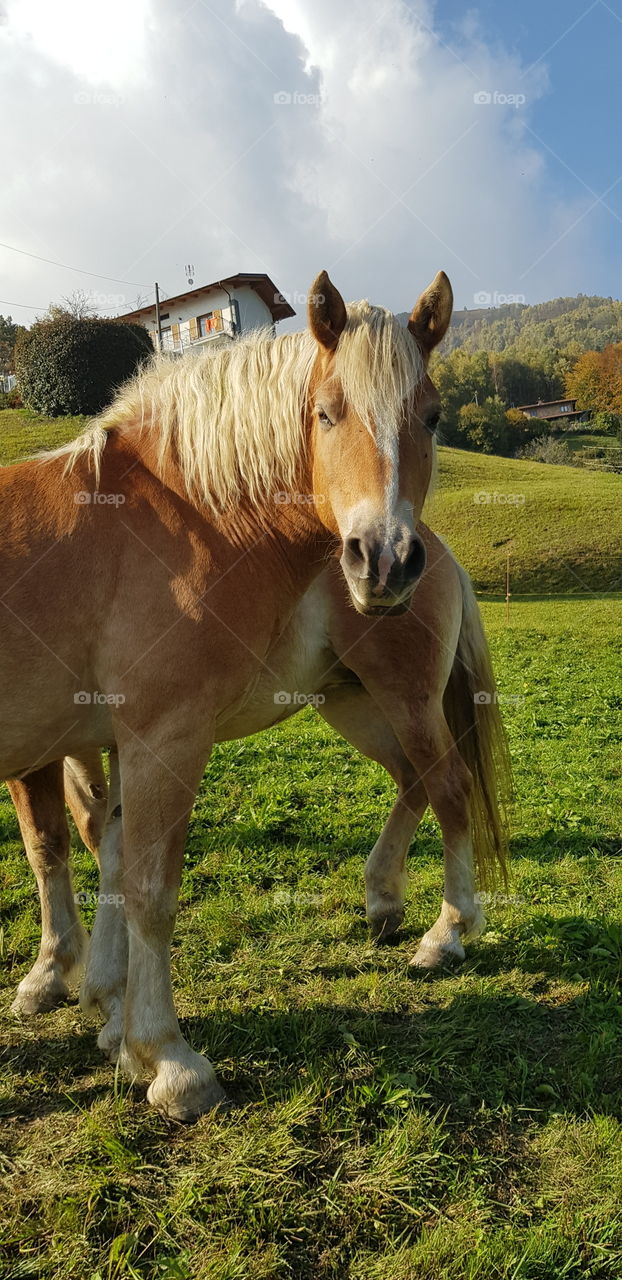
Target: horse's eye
{"x":433,"y":421}
{"x":324,"y":419}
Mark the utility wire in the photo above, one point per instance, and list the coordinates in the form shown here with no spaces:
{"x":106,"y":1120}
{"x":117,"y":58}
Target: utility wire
{"x":28,"y":306}
{"x":51,"y":262}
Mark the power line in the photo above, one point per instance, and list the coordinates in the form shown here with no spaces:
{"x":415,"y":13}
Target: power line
{"x":33,"y":306}
{"x":27,"y":306}
{"x":52,"y":262}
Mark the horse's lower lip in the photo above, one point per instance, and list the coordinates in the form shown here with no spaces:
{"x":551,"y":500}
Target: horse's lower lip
{"x":382,"y":611}
{"x":380,"y":606}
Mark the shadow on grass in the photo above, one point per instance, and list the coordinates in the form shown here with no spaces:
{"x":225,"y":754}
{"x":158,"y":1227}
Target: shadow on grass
{"x":554,"y":845}
{"x":491,"y":1051}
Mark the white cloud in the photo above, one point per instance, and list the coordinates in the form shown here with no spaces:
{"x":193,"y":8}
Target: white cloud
{"x":101,"y":42}
{"x":148,"y":134}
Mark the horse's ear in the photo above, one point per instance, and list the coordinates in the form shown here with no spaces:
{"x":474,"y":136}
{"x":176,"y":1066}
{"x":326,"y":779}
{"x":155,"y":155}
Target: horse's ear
{"x":429,"y":320}
{"x":326,"y":310}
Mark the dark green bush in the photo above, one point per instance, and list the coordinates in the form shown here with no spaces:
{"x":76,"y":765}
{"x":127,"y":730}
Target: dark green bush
{"x":68,"y":366}
{"x":10,"y":399}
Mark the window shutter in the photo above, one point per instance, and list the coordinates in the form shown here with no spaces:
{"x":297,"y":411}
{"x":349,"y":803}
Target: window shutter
{"x":194,"y":328}
{"x":175,"y":333}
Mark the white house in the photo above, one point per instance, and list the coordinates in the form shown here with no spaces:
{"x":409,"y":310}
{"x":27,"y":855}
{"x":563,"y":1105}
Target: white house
{"x":214,"y":313}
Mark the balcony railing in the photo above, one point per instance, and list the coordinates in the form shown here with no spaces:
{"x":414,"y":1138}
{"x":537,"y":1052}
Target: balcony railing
{"x":216,"y":325}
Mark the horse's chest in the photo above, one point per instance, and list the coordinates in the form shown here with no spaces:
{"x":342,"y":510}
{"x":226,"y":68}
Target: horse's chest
{"x":291,"y":673}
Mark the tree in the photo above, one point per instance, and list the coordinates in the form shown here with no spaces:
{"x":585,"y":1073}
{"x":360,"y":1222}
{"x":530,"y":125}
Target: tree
{"x":79,"y":305}
{"x":595,"y":382}
{"x":8,"y":337}
{"x":66,"y":365}
{"x":485,"y":426}
{"x":462,"y":378}
{"x":521,"y":428}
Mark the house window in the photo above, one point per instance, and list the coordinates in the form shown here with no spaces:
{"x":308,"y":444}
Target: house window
{"x":211,"y":322}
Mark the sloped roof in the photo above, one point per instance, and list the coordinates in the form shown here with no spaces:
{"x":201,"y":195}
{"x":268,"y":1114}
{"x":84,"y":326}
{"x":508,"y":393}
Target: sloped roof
{"x":262,"y":284}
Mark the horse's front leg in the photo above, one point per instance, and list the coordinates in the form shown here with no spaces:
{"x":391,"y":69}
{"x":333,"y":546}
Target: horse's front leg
{"x":103,"y":989}
{"x":40,"y":807}
{"x":448,"y":783}
{"x":160,"y":774}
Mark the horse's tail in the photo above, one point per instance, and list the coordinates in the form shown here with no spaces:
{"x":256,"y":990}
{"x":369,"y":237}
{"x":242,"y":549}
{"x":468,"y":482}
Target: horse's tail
{"x":472,"y":712}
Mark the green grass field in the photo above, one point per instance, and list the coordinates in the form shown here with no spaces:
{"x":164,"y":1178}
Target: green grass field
{"x":385,"y":1127}
{"x":588,"y":440}
{"x":23,"y":433}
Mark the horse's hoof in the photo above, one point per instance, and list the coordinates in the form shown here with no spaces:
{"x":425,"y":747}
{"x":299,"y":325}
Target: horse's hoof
{"x":433,"y":957}
{"x":189,"y":1102}
{"x":188,"y":1112}
{"x":385,"y":928}
{"x":185,"y":1086}
{"x":109,"y":1040}
{"x":39,"y":999}
{"x":384,"y":919}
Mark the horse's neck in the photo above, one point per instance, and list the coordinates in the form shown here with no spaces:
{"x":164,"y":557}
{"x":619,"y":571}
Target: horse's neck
{"x":285,"y":527}
{"x":289,"y":534}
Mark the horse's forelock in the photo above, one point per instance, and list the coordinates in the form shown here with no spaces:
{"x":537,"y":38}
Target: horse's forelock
{"x":379,"y":365}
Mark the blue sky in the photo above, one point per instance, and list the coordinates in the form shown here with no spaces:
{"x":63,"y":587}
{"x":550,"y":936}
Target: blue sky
{"x":578,"y":116}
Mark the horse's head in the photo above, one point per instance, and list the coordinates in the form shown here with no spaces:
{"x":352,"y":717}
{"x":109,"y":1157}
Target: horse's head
{"x":375,"y":411}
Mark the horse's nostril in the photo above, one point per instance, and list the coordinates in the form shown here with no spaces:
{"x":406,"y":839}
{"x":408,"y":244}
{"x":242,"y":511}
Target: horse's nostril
{"x":354,"y":548}
{"x":415,"y":562}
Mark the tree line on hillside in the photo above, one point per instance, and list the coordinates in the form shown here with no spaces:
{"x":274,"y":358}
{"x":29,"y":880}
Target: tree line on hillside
{"x":480,"y":392}
{"x":569,"y":325}
{"x":69,"y":361}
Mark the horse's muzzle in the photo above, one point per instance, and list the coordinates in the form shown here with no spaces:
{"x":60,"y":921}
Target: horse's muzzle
{"x":382,"y":577}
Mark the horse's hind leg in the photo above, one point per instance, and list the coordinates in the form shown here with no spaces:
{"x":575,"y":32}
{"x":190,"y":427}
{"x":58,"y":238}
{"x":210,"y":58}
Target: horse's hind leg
{"x":40,"y":806}
{"x":358,"y":718}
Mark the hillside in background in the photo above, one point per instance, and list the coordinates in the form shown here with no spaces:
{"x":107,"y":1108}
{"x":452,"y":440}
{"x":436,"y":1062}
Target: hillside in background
{"x":569,"y":324}
{"x":561,"y":526}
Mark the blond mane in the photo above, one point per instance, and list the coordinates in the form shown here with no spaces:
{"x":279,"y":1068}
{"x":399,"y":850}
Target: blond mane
{"x":233,"y":418}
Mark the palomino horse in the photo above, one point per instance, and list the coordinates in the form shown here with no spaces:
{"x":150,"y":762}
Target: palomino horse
{"x":423,"y":721}
{"x":148,"y":569}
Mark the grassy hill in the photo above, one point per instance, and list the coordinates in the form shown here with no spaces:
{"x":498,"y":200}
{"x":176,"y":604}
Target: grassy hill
{"x":563,"y":529}
{"x":561,"y":525}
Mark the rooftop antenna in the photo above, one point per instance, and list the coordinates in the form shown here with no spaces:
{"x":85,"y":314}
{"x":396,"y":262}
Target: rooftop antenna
{"x":189,"y":269}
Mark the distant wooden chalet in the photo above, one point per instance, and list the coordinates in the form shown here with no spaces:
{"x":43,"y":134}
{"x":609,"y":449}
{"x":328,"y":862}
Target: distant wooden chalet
{"x":555,"y":411}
